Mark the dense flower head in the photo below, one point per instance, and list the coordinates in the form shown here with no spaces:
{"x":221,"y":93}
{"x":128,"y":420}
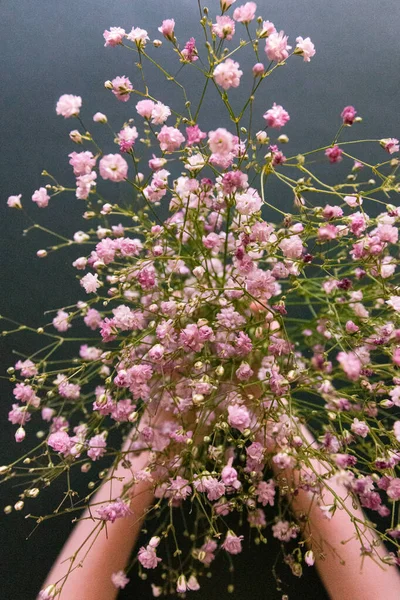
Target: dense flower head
{"x":113,"y":167}
{"x":69,"y":105}
{"x":305,"y":47}
{"x":114,"y":36}
{"x":276,"y":46}
{"x":227,"y":74}
{"x":276,"y":116}
{"x":245,"y":13}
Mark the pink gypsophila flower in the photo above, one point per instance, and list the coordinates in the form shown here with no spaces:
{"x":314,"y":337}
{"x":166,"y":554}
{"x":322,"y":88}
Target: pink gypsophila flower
{"x":238,"y":417}
{"x":221,"y":141}
{"x":232,"y":543}
{"x":121,"y":88}
{"x":348,"y":115}
{"x":14,"y":201}
{"x":170,"y":139}
{"x":334,"y":154}
{"x":306,"y":48}
{"x":145,"y":108}
{"x":224,"y":27}
{"x":60,"y":321}
{"x":82,"y":162}
{"x":227,"y":74}
{"x":113,"y":167}
{"x":276,"y":47}
{"x":159,"y":113}
{"x":114,"y":36}
{"x":126,"y":138}
{"x":68,"y":106}
{"x":114,"y":510}
{"x":119,"y":580}
{"x":41,"y":197}
{"x":167,"y":28}
{"x":391,"y":145}
{"x":60,"y":442}
{"x":245,"y":13}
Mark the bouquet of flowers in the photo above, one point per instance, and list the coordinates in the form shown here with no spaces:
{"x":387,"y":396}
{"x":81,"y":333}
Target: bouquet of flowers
{"x":214,"y":336}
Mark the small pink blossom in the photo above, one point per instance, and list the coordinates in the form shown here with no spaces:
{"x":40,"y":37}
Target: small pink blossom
{"x":145,"y":108}
{"x":245,"y":13}
{"x":276,"y":46}
{"x":334,"y":154}
{"x":170,"y":139}
{"x":99,"y":118}
{"x":394,"y":302}
{"x":359,"y":428}
{"x":119,"y":580}
{"x":113,"y":167}
{"x":232,"y":543}
{"x":41,"y":197}
{"x":90,"y":282}
{"x":97,"y":447}
{"x":224,"y":27}
{"x":14,"y":201}
{"x":114,"y":510}
{"x":139,"y":36}
{"x":292,"y":247}
{"x":350,"y":364}
{"x":267,"y":29}
{"x":276,"y":116}
{"x":225,"y":4}
{"x":114,"y":36}
{"x":160,"y":113}
{"x":126,"y":138}
{"x":189,"y":53}
{"x":391,"y":145}
{"x":227,"y":74}
{"x":306,"y":48}
{"x":244,"y":372}
{"x":258,"y":69}
{"x":238,"y":417}
{"x":60,"y":442}
{"x":68,"y":106}
{"x":60,"y":321}
{"x":248,"y":202}
{"x":348,"y":115}
{"x":167,"y":29}
{"x":284,"y":531}
{"x":121,"y":88}
{"x":221,"y":141}
{"x":194,"y":135}
{"x":353,"y":201}
{"x":82,"y":162}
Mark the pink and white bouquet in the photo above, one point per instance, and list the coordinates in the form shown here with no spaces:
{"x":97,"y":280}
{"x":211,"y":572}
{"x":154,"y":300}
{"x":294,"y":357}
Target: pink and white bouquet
{"x":230,"y":349}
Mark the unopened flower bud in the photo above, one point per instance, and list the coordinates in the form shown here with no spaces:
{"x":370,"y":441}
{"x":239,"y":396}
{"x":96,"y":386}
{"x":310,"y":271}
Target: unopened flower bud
{"x":133,"y":417}
{"x":155,"y":540}
{"x":20,"y":434}
{"x":181,"y":586}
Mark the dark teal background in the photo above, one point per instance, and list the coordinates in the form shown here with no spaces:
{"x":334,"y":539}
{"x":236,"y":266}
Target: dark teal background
{"x":52,"y":47}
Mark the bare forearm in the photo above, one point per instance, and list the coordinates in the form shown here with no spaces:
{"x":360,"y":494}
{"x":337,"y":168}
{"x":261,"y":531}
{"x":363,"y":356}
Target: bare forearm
{"x":337,"y":542}
{"x":110,"y":548}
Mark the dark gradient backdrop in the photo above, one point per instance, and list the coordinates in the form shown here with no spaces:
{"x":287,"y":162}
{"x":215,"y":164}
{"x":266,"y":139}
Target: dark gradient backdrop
{"x":51,"y":47}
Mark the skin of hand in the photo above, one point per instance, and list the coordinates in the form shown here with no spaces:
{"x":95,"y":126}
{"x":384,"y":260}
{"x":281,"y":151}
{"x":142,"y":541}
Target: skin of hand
{"x":343,"y":571}
{"x":110,"y":548}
